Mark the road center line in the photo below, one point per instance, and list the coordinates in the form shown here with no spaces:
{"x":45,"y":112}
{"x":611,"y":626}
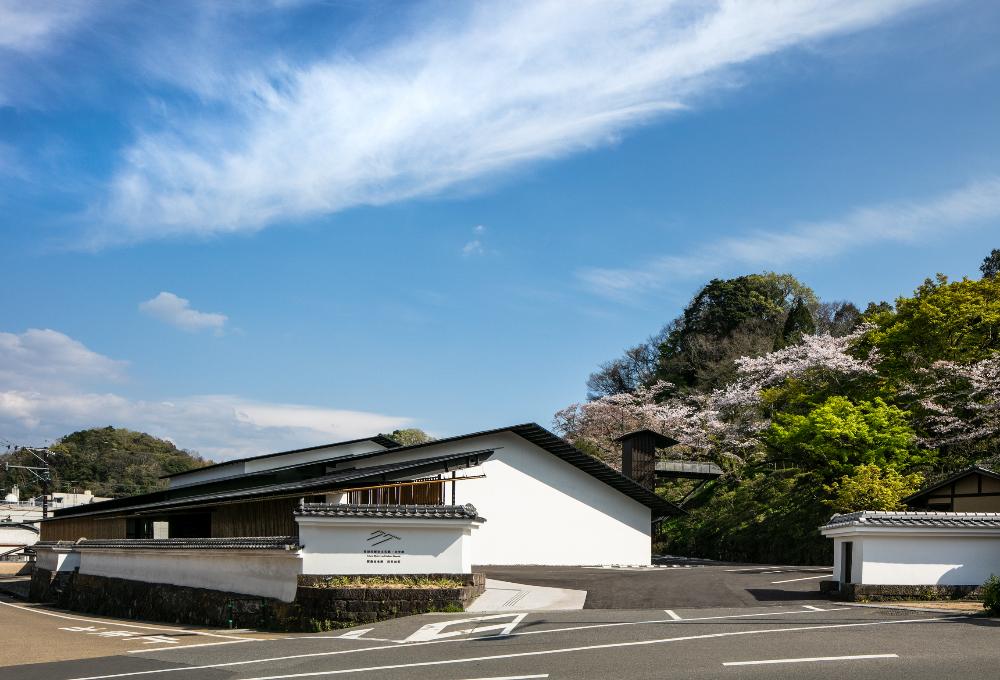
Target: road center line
{"x":856,"y":657}
{"x":804,"y":578}
{"x":613,"y":645}
{"x":450,"y":640}
{"x":117,"y":623}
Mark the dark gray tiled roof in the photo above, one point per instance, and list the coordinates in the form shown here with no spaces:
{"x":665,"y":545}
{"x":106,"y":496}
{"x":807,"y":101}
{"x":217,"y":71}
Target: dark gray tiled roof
{"x":467,"y":511}
{"x":256,"y":543}
{"x":379,"y":439}
{"x":376,"y":474}
{"x":948,"y":520}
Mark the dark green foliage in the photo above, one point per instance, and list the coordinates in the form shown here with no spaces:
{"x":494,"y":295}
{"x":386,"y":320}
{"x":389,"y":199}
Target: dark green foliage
{"x":991,"y":265}
{"x":728,"y":319}
{"x":991,"y":594}
{"x":799,"y":322}
{"x":836,"y":318}
{"x":107,"y":461}
{"x":770,"y":517}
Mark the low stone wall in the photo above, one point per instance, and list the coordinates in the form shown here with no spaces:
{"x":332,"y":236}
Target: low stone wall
{"x":326,"y":602}
{"x":858,"y":592}
{"x":46,"y":585}
{"x":318,"y":605}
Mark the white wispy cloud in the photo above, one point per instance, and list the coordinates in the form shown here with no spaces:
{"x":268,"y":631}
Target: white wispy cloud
{"x":33,"y":26}
{"x":902,"y":222}
{"x":475,"y":246}
{"x":47,"y":389}
{"x":30,"y":31}
{"x":455,"y":100}
{"x":48,"y":358}
{"x":177,"y":312}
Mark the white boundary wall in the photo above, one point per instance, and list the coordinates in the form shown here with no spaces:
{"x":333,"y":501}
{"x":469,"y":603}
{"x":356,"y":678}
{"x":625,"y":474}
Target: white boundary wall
{"x":263,"y":573}
{"x":917,"y":556}
{"x":358,"y":545}
{"x":540,"y":509}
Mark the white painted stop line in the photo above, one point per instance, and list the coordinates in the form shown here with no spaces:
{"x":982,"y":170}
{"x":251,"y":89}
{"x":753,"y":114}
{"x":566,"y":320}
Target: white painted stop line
{"x":855,"y":657}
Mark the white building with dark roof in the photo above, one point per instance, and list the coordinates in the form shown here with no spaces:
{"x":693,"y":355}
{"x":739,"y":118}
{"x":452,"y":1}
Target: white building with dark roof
{"x":514,"y":495}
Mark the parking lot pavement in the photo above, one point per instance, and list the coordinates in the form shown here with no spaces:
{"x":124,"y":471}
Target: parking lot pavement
{"x":696,"y":635}
{"x":679,"y":583}
{"x":794,"y":641}
{"x":32,"y":634}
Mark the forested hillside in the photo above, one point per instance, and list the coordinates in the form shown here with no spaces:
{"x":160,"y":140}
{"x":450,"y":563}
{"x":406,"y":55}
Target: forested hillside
{"x":108,"y":461}
{"x":810,"y":408}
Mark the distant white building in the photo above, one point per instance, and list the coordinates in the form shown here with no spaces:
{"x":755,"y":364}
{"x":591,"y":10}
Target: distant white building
{"x":19,"y":520}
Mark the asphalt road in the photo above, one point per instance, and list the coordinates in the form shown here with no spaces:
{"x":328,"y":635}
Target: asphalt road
{"x":794,"y":639}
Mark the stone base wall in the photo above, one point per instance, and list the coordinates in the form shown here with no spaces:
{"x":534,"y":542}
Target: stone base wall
{"x":322,"y":606}
{"x":47,"y":586}
{"x":318,"y":605}
{"x":859,"y":592}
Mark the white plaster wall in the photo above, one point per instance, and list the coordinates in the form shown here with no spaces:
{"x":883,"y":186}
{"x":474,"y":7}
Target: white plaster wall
{"x":57,"y":559}
{"x":540,"y":509}
{"x":249,"y":572}
{"x":929,"y":560}
{"x":334,"y":545}
{"x":857,"y":561}
{"x":11,"y":537}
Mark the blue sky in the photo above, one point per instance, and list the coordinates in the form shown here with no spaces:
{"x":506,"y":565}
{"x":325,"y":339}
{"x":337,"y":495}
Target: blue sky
{"x":253,"y":226}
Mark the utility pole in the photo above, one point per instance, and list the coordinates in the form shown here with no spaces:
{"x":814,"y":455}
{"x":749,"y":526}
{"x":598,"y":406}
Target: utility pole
{"x":42,"y":474}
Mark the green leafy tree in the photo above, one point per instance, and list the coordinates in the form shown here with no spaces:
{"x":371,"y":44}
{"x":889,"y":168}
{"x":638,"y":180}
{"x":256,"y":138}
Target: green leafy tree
{"x":798,"y":322}
{"x":727,"y":319}
{"x":768,"y":516}
{"x":108,"y":461}
{"x":837,"y":435}
{"x":410,"y":436}
{"x":871,"y":487}
{"x":944,"y":320}
{"x":991,"y":265}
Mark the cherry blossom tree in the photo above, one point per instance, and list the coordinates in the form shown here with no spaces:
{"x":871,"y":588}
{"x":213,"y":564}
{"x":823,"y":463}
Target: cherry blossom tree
{"x":595,"y":424}
{"x":960,"y":403}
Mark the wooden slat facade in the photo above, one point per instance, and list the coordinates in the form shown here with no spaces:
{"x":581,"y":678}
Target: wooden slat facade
{"x":259,"y":518}
{"x":73,"y":528}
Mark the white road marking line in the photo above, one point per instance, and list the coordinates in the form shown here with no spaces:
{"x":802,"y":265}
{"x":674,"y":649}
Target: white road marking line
{"x":438,"y":642}
{"x":812,"y":658}
{"x":354,"y":634}
{"x":568,"y":650}
{"x":117,"y":623}
{"x":672,"y":614}
{"x":434,"y":631}
{"x":804,"y":578}
{"x":812,"y":608}
{"x":515,"y":677}
{"x":203,"y":644}
{"x":765,"y":569}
